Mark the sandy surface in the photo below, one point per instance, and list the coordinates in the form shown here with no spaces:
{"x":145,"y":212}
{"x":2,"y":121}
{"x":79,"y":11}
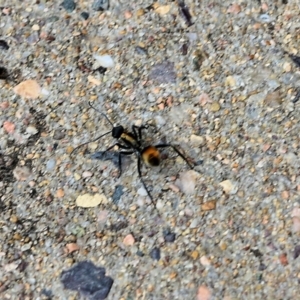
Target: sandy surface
{"x":223,"y":87}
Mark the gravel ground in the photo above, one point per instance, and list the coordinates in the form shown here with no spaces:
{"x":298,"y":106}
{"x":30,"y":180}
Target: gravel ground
{"x":222,"y":86}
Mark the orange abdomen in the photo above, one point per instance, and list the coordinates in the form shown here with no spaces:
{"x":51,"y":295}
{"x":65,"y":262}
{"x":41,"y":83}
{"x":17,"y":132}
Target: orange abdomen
{"x":151,"y":156}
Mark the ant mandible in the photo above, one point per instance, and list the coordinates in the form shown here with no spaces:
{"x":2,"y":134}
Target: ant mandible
{"x":131,"y":143}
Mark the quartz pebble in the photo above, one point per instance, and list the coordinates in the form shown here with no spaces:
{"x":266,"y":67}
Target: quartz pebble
{"x":104,"y":61}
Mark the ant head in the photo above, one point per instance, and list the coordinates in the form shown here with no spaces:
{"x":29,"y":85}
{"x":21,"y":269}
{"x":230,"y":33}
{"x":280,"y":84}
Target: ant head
{"x":117,"y":131}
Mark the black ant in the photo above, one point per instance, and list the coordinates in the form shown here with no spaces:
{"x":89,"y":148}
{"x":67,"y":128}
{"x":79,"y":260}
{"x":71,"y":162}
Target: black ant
{"x":131,"y":142}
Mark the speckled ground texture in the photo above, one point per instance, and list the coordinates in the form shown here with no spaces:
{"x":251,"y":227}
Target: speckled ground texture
{"x":228,"y":99}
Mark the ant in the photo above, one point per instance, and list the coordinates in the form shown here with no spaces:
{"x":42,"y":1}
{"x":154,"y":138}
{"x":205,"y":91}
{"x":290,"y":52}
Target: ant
{"x":131,"y":143}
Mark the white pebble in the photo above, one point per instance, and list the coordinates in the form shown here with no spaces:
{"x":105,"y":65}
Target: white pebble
{"x":50,"y":164}
{"x":31,"y":130}
{"x":151,"y":98}
{"x":187,"y":182}
{"x":265,"y":18}
{"x":159,"y":204}
{"x":105,"y":61}
{"x":197,"y":140}
{"x":87,"y":174}
{"x":142,"y":192}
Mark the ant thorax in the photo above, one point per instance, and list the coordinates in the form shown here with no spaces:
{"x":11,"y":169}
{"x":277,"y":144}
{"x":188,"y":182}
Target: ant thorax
{"x":129,"y":139}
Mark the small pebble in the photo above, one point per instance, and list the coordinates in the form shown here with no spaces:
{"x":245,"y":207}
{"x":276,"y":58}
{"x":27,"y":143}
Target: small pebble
{"x":47,"y":293}
{"x":59,"y":134}
{"x":234,"y":8}
{"x":68,"y":5}
{"x":273,"y":99}
{"x":87,"y":200}
{"x":215,"y":107}
{"x":129,"y":240}
{"x":17,"y":236}
{"x":163,"y":73}
{"x":77,"y":176}
{"x":174,"y":188}
{"x":223,"y":246}
{"x":60,"y":193}
{"x":230,"y":81}
{"x":4,"y":105}
{"x":100,"y":5}
{"x":21,"y":173}
{"x":195,"y":255}
{"x":140,"y":12}
{"x":151,"y":98}
{"x":140,"y":253}
{"x":184,"y":49}
{"x":50,"y":165}
{"x":227,"y":186}
{"x":87,"y":174}
{"x":187,"y":182}
{"x":140,"y":50}
{"x":128,"y":14}
{"x":209,"y":205}
{"x":142,"y":192}
{"x":117,"y":194}
{"x":104,"y":61}
{"x":26,"y":247}
{"x":169,"y":236}
{"x":197,"y":140}
{"x":265,"y":18}
{"x":31,"y":130}
{"x":205,"y":261}
{"x":13,"y":219}
{"x":89,"y":280}
{"x":155,"y":253}
{"x":203,"y":293}
{"x":72,"y":247}
{"x":9,"y":127}
{"x":283,"y":259}
{"x":35,"y":27}
{"x":102,"y":216}
{"x":287,"y":67}
{"x":84,"y":15}
{"x":28,"y":89}
{"x":163,"y":9}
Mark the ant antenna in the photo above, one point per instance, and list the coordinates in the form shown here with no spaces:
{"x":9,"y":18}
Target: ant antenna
{"x":96,"y":139}
{"x":99,"y":137}
{"x":104,"y":115}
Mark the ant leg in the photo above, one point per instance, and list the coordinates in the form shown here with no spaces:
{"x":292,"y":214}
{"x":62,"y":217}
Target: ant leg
{"x":177,"y":151}
{"x":137,"y":131}
{"x":143,"y":182}
{"x":120,"y":160}
{"x":117,"y":144}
